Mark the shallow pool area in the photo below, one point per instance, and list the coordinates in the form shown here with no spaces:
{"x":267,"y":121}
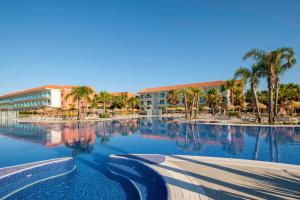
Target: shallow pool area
{"x":91,"y":143}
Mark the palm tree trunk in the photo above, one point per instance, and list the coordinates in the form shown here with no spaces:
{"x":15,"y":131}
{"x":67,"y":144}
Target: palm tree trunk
{"x":271,"y":98}
{"x":232,"y":98}
{"x":197,"y":106}
{"x":103,"y":108}
{"x":186,"y":106}
{"x":78,"y":112}
{"x":276,"y":97}
{"x":253,"y":88}
{"x":192,"y":107}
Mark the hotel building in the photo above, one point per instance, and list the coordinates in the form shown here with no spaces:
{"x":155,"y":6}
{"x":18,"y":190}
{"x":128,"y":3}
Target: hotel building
{"x":154,"y":99}
{"x":128,"y":94}
{"x":52,"y":96}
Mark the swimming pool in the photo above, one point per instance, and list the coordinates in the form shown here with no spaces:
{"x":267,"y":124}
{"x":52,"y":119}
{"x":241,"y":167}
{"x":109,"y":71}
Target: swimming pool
{"x":91,"y":143}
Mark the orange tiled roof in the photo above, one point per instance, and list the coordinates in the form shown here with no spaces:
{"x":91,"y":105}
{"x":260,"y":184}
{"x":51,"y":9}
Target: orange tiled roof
{"x":37,"y":89}
{"x":178,"y":87}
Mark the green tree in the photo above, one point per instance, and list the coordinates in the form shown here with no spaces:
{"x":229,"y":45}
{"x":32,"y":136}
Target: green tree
{"x":236,"y":91}
{"x":273,"y":63}
{"x":196,"y":93}
{"x":252,"y":76}
{"x":104,"y":98}
{"x":173,"y":98}
{"x":134,"y":102}
{"x":213,"y":99}
{"x":80,"y":94}
{"x":287,"y":61}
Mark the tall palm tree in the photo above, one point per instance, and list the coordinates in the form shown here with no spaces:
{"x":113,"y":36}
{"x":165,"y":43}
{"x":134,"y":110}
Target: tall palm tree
{"x":287,"y":60}
{"x":274,"y":63}
{"x":252,"y":75}
{"x":80,"y":94}
{"x":213,"y":99}
{"x":105,"y":98}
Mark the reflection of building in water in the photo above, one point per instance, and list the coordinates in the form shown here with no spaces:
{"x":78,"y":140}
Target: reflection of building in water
{"x":117,"y":127}
{"x":49,"y":135}
{"x":33,"y":133}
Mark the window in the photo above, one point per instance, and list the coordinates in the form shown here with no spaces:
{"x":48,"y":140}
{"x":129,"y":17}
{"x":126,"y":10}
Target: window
{"x":162,"y":102}
{"x":162,"y":95}
{"x":149,"y":103}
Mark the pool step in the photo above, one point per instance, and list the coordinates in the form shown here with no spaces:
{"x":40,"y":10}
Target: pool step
{"x":150,"y":184}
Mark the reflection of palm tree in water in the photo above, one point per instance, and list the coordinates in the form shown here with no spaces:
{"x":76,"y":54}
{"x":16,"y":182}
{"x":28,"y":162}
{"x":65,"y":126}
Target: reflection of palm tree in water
{"x":274,"y":146}
{"x":234,"y":143}
{"x":192,"y":140}
{"x":82,"y":141}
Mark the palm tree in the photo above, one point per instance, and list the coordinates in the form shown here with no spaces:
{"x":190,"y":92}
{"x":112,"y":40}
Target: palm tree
{"x":80,"y":94}
{"x":274,"y":63}
{"x":252,"y":75}
{"x":194,"y":105}
{"x":288,"y":92}
{"x":134,"y":102}
{"x":187,"y":99}
{"x":173,"y":97}
{"x":124,"y":101}
{"x":287,"y":61}
{"x":213,"y":99}
{"x":105,"y":98}
{"x":233,"y":86}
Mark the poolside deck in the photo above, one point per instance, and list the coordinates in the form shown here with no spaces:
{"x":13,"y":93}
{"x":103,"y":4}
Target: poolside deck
{"x":196,"y":177}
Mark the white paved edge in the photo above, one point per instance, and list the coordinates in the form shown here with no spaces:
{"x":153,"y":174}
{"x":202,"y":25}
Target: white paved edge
{"x":238,"y":162}
{"x":171,"y":190}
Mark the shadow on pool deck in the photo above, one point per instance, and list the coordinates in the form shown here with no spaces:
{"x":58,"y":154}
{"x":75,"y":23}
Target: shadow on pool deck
{"x":263,"y":184}
{"x":232,"y":182}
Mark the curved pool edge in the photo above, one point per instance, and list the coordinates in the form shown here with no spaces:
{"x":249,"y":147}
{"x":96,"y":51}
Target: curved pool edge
{"x":158,"y":163}
{"x":160,"y":181}
{"x":16,"y":178}
{"x":182,"y":184}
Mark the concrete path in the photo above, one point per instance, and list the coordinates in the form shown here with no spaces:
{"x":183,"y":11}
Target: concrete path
{"x":196,"y":177}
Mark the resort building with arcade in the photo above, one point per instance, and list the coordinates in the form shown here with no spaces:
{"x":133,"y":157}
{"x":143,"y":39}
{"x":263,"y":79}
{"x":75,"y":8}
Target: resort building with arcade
{"x":52,"y":96}
{"x":154,"y":100}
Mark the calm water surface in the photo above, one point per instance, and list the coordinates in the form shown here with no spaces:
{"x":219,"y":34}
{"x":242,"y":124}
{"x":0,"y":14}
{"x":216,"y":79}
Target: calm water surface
{"x":92,"y":143}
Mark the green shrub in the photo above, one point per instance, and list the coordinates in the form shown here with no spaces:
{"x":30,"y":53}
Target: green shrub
{"x":104,"y":115}
{"x":234,"y":114}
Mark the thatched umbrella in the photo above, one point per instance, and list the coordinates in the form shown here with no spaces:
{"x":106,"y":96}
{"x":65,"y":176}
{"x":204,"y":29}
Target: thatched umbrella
{"x":291,"y":105}
{"x":205,"y":108}
{"x":260,"y":105}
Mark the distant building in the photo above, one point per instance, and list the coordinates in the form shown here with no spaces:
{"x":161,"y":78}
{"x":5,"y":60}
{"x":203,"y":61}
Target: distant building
{"x":153,"y":99}
{"x":129,"y":94}
{"x":52,"y":96}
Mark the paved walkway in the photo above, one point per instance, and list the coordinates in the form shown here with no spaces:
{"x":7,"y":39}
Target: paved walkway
{"x":196,"y":177}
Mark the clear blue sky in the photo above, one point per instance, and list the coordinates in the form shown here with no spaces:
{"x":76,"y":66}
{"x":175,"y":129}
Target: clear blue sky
{"x":121,"y":45}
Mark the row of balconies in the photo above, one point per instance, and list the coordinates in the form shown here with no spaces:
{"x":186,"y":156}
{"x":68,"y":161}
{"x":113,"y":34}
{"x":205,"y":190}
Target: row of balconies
{"x":26,"y":104}
{"x":26,"y":97}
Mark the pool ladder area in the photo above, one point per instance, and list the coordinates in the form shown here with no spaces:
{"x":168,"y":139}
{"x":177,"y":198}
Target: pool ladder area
{"x":19,"y":177}
{"x":142,"y":181}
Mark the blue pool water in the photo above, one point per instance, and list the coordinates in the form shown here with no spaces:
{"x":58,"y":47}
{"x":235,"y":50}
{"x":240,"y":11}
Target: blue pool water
{"x":91,"y":144}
